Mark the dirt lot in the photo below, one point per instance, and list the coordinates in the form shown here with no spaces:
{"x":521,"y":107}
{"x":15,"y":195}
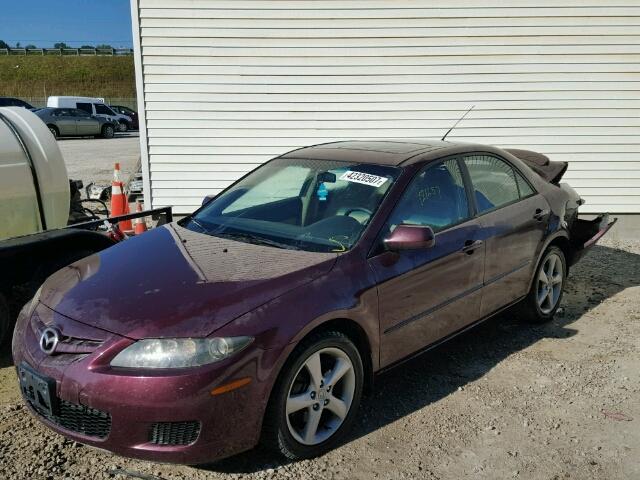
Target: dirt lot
{"x":504,"y":400}
{"x":92,"y":159}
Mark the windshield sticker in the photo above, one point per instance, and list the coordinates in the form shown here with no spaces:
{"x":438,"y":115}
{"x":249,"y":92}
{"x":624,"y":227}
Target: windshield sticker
{"x":363,"y":178}
{"x":322,"y":192}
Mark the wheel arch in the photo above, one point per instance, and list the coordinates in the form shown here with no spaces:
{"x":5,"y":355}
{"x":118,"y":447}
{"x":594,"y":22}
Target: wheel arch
{"x":561,"y":240}
{"x":354,"y":331}
{"x":348,"y":327}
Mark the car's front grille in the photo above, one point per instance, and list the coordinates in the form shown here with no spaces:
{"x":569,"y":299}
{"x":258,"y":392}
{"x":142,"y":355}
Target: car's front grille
{"x":174,"y":433}
{"x":76,"y":348}
{"x":80,"y":419}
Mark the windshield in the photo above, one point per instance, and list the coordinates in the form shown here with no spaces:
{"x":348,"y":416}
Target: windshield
{"x":314,"y":205}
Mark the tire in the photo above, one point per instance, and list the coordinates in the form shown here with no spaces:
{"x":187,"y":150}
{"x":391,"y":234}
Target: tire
{"x":108,"y":131}
{"x":296,"y":392}
{"x":538,"y":306}
{"x":54,"y":131}
{"x":124,"y":126}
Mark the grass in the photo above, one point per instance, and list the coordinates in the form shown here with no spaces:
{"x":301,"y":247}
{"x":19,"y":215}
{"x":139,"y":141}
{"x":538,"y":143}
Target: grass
{"x":40,"y":76}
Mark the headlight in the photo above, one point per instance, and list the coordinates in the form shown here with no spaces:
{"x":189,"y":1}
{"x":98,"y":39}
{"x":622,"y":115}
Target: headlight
{"x":179,"y":352}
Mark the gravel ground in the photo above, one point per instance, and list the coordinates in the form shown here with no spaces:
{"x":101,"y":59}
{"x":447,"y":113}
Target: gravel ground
{"x":92,"y":160}
{"x":504,"y":400}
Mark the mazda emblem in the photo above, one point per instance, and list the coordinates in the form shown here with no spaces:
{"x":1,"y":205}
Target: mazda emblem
{"x":49,"y":340}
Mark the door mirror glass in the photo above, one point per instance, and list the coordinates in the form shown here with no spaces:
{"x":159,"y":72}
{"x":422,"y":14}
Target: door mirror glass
{"x":410,"y":237}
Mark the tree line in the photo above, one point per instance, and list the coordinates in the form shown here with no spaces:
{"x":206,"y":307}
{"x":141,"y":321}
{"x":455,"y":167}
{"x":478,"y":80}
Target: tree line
{"x":55,"y":45}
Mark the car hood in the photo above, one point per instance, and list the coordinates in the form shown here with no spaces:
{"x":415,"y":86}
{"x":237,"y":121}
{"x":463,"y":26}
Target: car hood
{"x":174,"y":282}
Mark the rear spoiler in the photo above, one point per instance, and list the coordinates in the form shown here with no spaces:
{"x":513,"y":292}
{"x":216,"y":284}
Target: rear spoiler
{"x":552,"y":172}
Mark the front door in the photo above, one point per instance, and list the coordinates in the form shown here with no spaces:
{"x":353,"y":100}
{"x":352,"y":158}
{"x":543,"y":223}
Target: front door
{"x":85,"y":123}
{"x":513,"y":217}
{"x":427,"y":294}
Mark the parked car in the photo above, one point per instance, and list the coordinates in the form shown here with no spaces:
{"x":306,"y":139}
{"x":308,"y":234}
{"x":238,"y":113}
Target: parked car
{"x":94,"y":107}
{"x":126,"y":111}
{"x":14,"y":102}
{"x":73,"y":122}
{"x":265,"y":313}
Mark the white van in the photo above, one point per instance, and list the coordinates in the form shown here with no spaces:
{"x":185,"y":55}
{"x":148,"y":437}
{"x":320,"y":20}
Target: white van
{"x":93,"y":106}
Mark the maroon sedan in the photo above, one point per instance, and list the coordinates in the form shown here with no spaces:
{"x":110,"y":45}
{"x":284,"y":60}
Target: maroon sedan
{"x":264,"y":315}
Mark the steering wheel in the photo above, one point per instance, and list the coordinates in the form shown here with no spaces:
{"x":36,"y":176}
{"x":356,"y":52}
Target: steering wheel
{"x":356,"y":209}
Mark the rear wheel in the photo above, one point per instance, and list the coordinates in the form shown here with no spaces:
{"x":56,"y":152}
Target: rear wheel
{"x":316,"y":398}
{"x":123,"y":127}
{"x":54,"y":131}
{"x":543,"y":299}
{"x":107,"y":131}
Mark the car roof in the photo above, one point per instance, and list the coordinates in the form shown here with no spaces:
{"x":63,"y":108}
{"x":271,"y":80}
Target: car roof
{"x":388,"y":152}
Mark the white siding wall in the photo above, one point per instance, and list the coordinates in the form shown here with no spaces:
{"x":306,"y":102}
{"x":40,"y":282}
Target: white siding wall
{"x":230,"y":84}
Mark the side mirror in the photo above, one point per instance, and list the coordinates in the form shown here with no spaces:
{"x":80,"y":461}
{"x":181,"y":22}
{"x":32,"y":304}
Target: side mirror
{"x":207,"y":199}
{"x":410,"y":237}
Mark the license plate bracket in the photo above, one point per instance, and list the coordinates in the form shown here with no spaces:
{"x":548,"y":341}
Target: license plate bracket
{"x":38,"y":390}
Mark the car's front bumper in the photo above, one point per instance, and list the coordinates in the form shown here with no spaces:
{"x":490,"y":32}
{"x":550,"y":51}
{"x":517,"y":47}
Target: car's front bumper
{"x":147,"y":410}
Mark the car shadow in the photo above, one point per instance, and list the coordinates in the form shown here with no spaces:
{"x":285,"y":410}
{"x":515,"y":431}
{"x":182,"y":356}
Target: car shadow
{"x":439,"y":372}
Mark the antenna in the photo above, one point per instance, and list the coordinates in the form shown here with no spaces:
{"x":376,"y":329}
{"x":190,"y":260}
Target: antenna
{"x":456,"y":124}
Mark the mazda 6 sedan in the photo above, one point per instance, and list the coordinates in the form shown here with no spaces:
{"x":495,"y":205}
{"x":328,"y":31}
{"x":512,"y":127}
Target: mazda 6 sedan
{"x":265,"y":314}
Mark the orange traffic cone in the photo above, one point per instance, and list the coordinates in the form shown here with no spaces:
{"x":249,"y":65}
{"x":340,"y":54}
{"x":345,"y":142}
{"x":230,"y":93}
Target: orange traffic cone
{"x":119,"y":204}
{"x":140,"y":223}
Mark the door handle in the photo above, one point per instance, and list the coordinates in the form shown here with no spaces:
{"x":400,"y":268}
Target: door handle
{"x":470,"y":246}
{"x":540,"y":214}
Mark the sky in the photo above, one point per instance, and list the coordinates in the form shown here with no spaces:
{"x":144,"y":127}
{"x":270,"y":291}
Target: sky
{"x":75,"y":22}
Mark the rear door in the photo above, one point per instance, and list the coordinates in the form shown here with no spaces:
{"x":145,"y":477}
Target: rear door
{"x":427,"y":294}
{"x":513,"y":218}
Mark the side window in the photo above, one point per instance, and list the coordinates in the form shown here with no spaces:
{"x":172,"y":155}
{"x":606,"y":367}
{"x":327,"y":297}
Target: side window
{"x":102,"y":109}
{"x":523,"y":186}
{"x":436,"y":198}
{"x":85,"y":106}
{"x":79,"y":113}
{"x":494,"y":181}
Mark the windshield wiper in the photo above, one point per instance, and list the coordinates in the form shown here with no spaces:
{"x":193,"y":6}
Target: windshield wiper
{"x":255,"y":240}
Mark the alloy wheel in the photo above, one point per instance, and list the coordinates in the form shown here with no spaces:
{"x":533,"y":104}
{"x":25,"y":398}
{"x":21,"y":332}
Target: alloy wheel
{"x":320,"y":396}
{"x":550,"y":281}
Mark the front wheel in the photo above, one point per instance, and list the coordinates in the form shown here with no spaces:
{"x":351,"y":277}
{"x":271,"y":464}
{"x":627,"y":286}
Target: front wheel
{"x":107,"y":131}
{"x":543,"y":299}
{"x":123,"y":127}
{"x":316,"y":398}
